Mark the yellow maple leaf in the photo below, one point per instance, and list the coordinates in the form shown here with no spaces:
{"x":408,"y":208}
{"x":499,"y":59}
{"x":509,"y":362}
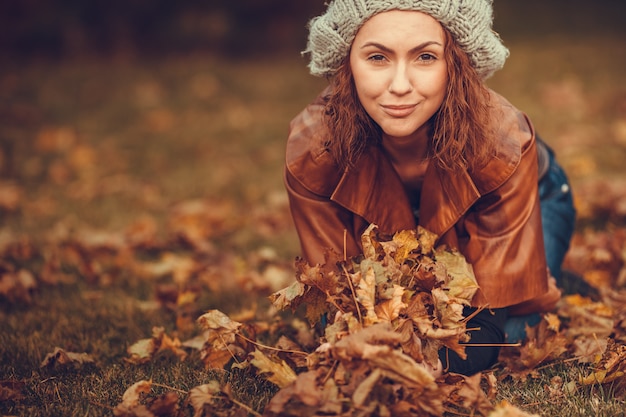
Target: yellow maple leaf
{"x":278,"y":372}
{"x":462,"y":282}
{"x":406,"y":242}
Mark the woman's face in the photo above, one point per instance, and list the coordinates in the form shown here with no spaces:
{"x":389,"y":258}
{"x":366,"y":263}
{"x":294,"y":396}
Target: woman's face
{"x":399,"y":69}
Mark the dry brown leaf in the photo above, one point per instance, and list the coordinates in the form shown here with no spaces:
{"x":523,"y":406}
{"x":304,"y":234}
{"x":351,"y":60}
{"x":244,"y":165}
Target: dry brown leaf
{"x":389,"y":310}
{"x":60,"y":360}
{"x":285,"y":297}
{"x":610,"y":369}
{"x":216,"y":320}
{"x":366,"y":294}
{"x":203,"y":396}
{"x":221,"y":344}
{"x":471,"y":396}
{"x":374,"y":345}
{"x":130,"y":405}
{"x":142,"y":351}
{"x":145,"y":350}
{"x":279,"y":373}
{"x":542,"y":344}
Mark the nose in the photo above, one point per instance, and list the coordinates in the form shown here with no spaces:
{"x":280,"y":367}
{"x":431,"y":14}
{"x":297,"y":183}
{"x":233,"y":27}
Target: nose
{"x":400,"y":82}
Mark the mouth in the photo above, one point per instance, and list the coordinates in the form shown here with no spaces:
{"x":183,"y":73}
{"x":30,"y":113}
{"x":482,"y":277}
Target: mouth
{"x":399,"y":110}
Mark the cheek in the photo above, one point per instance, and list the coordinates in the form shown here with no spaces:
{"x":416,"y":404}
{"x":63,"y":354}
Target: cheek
{"x":368,"y":85}
{"x":368,"y":93}
{"x":440,"y":85}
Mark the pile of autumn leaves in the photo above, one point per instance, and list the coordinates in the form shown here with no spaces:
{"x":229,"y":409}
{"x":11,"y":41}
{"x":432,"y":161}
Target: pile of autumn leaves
{"x":389,"y":313}
{"x":386,"y":315}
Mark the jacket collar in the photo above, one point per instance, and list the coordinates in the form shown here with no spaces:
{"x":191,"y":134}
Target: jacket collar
{"x":373,"y":190}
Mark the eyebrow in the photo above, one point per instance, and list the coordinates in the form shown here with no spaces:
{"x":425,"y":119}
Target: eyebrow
{"x":389,"y":50}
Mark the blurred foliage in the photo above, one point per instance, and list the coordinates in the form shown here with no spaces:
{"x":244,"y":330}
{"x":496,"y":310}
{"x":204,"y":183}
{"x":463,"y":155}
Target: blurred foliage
{"x":62,"y":28}
{"x":71,"y":27}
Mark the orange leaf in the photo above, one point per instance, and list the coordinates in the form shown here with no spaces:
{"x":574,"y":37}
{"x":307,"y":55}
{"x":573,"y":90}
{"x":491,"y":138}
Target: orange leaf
{"x":278,"y":372}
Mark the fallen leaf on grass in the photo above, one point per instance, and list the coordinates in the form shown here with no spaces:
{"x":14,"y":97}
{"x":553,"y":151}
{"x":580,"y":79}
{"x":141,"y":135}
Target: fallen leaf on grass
{"x":221,"y":344}
{"x":130,"y":405}
{"x":203,"y":396}
{"x":212,"y":399}
{"x":611,"y":369}
{"x":60,"y":360}
{"x":145,"y":350}
{"x":136,"y":403}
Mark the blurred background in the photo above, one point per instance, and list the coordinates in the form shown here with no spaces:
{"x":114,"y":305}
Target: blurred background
{"x":113,"y":112}
{"x":70,"y":28}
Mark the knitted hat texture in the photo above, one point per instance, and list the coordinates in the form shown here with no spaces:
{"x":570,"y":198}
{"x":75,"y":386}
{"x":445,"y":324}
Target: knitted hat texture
{"x":469,"y":21}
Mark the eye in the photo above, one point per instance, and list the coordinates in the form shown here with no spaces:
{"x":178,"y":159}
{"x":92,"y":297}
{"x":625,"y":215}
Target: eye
{"x":376,"y":58}
{"x":426,"y":57}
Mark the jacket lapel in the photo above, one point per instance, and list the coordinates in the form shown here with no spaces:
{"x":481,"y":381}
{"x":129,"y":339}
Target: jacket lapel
{"x":446,"y":196}
{"x":373,"y":190}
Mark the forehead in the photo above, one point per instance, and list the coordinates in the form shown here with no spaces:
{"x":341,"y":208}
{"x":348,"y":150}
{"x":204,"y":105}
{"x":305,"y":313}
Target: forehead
{"x":400,"y":24}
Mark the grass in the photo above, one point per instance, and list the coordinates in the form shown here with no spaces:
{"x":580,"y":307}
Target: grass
{"x":98,"y":145}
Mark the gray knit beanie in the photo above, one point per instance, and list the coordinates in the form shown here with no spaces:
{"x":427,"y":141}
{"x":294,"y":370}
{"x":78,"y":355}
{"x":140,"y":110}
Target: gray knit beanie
{"x":469,"y":21}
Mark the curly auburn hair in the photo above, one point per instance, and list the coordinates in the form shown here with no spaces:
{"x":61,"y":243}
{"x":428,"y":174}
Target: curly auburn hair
{"x":461,"y":134}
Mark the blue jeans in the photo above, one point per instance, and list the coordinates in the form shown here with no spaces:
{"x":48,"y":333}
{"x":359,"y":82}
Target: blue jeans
{"x":558,"y":218}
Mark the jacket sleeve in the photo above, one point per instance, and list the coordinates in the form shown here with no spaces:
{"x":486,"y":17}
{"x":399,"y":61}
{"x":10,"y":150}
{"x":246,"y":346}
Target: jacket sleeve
{"x":505,"y":242}
{"x":322,"y":224}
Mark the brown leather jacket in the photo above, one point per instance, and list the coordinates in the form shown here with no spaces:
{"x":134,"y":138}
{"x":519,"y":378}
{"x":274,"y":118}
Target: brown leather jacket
{"x":492,"y":216}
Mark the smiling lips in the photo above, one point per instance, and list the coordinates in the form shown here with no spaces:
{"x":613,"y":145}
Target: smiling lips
{"x":400,"y":110}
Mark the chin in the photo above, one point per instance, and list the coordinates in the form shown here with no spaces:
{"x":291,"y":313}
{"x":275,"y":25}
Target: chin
{"x":399,"y":133}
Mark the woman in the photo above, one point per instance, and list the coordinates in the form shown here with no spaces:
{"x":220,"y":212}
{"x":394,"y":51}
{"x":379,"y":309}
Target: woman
{"x":407,"y":133}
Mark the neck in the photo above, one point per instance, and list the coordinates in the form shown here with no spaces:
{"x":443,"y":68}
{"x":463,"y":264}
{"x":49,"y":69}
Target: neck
{"x":409,"y":149}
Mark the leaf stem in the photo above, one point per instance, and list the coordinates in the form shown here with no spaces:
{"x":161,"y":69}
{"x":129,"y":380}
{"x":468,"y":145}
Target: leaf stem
{"x":356,"y":304}
{"x":261,"y":345}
